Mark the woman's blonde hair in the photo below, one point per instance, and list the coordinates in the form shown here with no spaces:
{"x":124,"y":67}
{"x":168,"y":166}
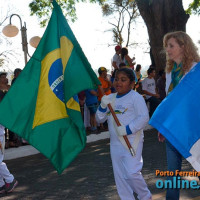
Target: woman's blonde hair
{"x":190,"y":51}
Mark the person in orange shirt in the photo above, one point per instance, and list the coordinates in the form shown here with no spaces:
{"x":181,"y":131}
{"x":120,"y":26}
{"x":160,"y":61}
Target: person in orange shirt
{"x":104,"y":88}
{"x":105,"y":83}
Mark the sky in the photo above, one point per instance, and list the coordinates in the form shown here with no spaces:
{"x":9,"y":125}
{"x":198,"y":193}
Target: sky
{"x":91,"y":32}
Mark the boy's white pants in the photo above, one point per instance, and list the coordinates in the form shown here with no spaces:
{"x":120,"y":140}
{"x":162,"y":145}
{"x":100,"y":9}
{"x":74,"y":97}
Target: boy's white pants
{"x":127,"y":173}
{"x":4,"y":172}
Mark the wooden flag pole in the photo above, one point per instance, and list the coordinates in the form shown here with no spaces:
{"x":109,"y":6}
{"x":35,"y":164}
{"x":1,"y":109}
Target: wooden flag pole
{"x":118,"y":124}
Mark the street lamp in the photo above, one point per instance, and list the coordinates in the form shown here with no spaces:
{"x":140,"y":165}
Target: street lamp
{"x":11,"y":31}
{"x":34,"y":41}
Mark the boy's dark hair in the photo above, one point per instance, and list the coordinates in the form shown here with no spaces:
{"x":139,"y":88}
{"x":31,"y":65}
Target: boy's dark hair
{"x":3,"y":73}
{"x":122,"y":65}
{"x":161,"y":72}
{"x":150,"y":70}
{"x":138,"y":67}
{"x":124,"y":51}
{"x":128,"y":72}
{"x":101,"y":70}
{"x":17,"y":70}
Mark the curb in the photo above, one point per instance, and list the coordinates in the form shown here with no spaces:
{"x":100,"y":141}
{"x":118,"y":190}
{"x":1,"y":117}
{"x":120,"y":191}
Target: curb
{"x":28,"y":150}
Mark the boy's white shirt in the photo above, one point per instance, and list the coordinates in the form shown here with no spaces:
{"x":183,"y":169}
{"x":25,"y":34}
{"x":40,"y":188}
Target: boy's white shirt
{"x":149,"y":85}
{"x":121,"y":138}
{"x":131,"y":110}
{"x":116,"y":58}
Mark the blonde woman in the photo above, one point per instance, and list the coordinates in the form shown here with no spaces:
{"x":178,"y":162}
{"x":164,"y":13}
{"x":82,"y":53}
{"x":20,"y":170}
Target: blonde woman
{"x":181,"y":57}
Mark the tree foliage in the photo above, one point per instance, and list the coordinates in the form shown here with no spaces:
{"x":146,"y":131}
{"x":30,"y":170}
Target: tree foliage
{"x":194,"y":7}
{"x":120,"y":8}
{"x":43,"y":8}
{"x":160,"y":16}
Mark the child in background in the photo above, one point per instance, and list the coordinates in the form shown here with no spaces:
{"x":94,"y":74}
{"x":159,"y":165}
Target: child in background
{"x":123,"y":65}
{"x":132,"y":113}
{"x":7,"y":181}
{"x":138,"y":84}
{"x":92,"y":104}
{"x":105,"y":83}
{"x":104,"y":89}
{"x":126,"y":58}
{"x":116,"y":60}
{"x":149,"y":89}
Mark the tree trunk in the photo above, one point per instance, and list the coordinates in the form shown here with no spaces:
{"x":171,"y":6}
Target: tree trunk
{"x":161,"y":17}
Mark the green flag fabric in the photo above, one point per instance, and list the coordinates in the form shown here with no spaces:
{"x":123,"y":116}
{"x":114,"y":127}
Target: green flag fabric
{"x":42,"y":105}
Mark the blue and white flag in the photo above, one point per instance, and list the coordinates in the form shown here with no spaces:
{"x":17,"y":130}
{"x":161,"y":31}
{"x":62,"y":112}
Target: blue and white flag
{"x":177,"y":118}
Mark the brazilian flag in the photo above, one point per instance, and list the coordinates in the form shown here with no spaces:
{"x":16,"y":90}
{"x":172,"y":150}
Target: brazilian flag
{"x":42,"y":105}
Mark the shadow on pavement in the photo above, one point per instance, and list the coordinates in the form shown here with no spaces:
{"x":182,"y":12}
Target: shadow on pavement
{"x":89,"y":177}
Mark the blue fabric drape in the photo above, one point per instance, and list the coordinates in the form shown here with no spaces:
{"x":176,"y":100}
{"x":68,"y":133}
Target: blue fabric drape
{"x":177,"y":118}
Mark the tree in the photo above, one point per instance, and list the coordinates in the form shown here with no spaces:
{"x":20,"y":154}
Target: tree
{"x":3,"y":53}
{"x":43,"y":8}
{"x":161,"y":17}
{"x":7,"y":56}
{"x":125,"y":12}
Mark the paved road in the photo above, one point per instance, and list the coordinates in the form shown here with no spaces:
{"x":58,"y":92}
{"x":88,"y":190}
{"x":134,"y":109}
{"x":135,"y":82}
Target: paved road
{"x":90,"y":175}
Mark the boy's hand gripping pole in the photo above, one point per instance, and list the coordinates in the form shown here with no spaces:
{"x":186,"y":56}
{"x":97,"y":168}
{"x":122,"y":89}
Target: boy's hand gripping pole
{"x":118,"y":124}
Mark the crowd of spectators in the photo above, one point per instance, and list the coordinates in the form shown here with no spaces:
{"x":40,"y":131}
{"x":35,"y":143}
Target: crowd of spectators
{"x":152,"y":88}
{"x":12,"y":139}
{"x":153,"y":91}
